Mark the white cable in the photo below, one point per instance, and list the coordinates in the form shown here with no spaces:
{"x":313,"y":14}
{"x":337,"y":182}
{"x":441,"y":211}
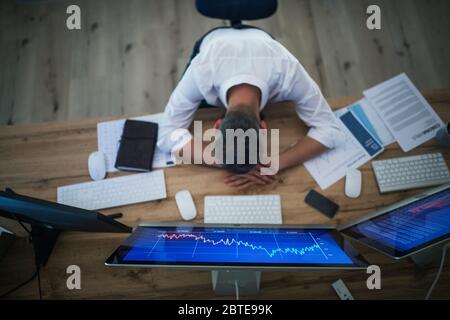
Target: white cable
{"x":438,"y":274}
{"x":236,"y":286}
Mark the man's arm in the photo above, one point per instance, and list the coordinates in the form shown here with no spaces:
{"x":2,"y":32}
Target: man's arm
{"x":313,"y":109}
{"x":193,"y":152}
{"x":179,"y":113}
{"x":304,"y":150}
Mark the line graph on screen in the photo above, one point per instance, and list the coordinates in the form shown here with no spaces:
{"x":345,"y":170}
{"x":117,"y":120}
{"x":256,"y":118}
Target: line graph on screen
{"x":227,"y":242}
{"x":235,"y":246}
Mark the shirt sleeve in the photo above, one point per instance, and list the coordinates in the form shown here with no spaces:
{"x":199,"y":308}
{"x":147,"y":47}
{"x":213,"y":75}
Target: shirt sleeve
{"x":312,"y":107}
{"x":173,"y":130}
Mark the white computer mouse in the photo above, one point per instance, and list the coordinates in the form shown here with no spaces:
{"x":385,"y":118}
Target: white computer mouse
{"x":97,"y":165}
{"x":186,"y":205}
{"x":353,"y":183}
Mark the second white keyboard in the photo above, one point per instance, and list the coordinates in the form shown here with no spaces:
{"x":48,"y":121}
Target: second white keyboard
{"x":411,"y":172}
{"x":265,"y":209}
{"x":114,"y":192}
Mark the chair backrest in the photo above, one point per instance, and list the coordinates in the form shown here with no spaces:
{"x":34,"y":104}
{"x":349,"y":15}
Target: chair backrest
{"x":237,"y":10}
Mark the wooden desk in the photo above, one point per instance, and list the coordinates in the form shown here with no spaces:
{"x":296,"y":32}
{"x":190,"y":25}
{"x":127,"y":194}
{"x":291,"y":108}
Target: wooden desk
{"x":36,"y":159}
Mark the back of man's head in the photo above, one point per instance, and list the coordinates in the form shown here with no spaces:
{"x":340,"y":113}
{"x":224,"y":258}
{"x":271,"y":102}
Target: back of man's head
{"x":240,"y":133}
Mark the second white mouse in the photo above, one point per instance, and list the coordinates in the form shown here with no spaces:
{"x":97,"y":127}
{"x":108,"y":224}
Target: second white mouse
{"x":186,"y":205}
{"x":97,"y":165}
{"x":353,"y":183}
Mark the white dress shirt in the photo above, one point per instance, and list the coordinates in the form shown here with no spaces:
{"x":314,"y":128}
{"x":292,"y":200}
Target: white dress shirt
{"x":229,"y":57}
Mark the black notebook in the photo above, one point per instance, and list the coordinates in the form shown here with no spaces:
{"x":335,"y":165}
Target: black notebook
{"x":137,"y":146}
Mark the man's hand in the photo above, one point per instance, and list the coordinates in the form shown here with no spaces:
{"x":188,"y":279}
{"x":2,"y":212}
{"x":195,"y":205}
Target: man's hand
{"x":253,"y":177}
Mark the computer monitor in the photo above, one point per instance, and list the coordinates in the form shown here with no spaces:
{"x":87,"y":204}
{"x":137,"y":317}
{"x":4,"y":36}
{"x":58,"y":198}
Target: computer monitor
{"x":408,"y":227}
{"x":235,"y":247}
{"x":48,"y":219}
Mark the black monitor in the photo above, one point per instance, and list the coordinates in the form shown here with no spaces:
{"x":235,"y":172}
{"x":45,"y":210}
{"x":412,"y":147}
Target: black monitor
{"x":48,"y":219}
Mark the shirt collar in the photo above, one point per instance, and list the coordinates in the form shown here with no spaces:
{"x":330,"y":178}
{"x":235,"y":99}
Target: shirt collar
{"x":248,"y":79}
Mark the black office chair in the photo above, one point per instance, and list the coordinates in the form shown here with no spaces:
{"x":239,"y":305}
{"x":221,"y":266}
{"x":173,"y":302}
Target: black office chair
{"x":237,"y":10}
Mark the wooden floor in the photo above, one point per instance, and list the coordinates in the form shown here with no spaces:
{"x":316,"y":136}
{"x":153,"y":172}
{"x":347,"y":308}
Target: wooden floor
{"x":129,"y":55}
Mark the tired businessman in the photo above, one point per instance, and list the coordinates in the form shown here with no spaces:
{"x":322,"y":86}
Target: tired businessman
{"x":243,"y":70}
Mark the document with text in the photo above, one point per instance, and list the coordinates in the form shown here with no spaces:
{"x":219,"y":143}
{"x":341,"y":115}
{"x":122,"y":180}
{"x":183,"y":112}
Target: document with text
{"x":359,"y":147}
{"x":405,"y":112}
{"x":366,"y":113}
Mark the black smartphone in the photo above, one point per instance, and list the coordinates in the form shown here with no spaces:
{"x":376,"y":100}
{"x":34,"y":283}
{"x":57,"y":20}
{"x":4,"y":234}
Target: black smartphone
{"x":322,"y":204}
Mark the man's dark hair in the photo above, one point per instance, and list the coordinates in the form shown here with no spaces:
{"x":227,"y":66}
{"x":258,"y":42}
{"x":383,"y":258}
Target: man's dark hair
{"x":240,"y":118}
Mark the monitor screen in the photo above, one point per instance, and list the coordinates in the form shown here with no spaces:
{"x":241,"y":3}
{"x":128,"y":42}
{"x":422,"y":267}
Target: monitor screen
{"x":58,"y":216}
{"x":223,"y":246}
{"x":409,"y":228}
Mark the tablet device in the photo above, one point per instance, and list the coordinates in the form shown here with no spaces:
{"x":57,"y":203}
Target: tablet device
{"x":240,"y":247}
{"x":407,"y":227}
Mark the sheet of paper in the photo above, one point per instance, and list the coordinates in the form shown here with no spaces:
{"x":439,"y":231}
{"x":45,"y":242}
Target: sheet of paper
{"x":406,"y":113}
{"x":366,"y":113}
{"x":108,"y":138}
{"x":359,"y":147}
{"x":377,"y":122}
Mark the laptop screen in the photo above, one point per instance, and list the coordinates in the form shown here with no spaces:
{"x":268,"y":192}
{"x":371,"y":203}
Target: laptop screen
{"x":409,"y":228}
{"x":227,"y":246}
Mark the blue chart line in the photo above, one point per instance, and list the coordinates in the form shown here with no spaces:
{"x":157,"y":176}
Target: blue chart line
{"x":228,"y":242}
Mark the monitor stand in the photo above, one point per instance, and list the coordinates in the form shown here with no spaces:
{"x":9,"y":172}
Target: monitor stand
{"x":44,"y":239}
{"x":428,"y":256}
{"x":224,"y":282}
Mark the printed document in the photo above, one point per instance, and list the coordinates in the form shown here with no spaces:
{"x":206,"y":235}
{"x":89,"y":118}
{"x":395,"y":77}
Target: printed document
{"x":406,"y":113}
{"x":366,"y":113}
{"x":359,"y":147}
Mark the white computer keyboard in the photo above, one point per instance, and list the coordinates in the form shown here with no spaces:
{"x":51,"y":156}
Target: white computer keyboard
{"x":411,"y":172}
{"x":114,"y":192}
{"x":264,"y":209}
